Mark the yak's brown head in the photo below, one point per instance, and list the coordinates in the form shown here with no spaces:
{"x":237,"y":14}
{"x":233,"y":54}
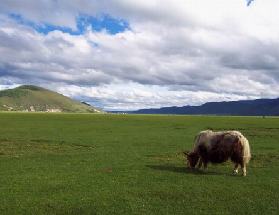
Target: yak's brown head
{"x":192,"y":158}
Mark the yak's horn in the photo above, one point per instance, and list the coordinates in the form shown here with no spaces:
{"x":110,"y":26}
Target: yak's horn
{"x":184,"y":152}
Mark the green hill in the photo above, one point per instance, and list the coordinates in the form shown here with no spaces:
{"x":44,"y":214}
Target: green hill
{"x":37,"y":99}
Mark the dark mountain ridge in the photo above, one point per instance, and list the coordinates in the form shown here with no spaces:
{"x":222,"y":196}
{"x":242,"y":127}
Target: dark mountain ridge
{"x":258,"y":107}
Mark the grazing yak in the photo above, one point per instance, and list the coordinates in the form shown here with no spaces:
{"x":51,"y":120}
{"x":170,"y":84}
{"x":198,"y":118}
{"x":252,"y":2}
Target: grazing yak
{"x":218,"y":147}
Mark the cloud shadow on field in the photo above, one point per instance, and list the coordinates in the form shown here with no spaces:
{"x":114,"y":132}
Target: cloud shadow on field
{"x":181,"y":170}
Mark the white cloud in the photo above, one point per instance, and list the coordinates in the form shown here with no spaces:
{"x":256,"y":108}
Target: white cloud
{"x":175,"y":52}
{"x":134,"y":96}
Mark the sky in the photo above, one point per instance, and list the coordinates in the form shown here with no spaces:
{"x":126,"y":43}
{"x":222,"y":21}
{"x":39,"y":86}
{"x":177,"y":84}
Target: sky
{"x":135,"y":54}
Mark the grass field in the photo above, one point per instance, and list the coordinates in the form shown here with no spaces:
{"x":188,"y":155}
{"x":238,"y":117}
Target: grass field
{"x":130,"y":164}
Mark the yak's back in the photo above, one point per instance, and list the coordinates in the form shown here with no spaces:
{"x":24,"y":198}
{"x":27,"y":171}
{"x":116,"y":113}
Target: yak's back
{"x":225,"y":139}
{"x":209,"y":139}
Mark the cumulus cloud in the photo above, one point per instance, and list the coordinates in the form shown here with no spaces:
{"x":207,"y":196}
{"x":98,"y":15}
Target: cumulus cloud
{"x":136,"y":96}
{"x":191,"y":52}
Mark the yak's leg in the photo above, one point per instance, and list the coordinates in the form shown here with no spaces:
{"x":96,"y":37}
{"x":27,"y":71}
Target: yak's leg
{"x":243,"y":168}
{"x":235,"y":170}
{"x":204,"y":159}
{"x":200,"y":163}
{"x":205,"y":167}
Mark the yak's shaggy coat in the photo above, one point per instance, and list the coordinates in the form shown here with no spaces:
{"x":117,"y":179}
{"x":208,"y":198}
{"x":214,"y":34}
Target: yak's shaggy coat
{"x":218,"y":147}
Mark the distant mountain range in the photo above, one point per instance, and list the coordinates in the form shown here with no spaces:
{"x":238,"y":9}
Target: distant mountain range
{"x":30,"y":98}
{"x":258,"y":107}
{"x":36,"y":99}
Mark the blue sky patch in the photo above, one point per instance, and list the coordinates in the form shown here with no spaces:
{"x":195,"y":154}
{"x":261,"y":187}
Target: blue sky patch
{"x":100,"y":23}
{"x":104,"y":22}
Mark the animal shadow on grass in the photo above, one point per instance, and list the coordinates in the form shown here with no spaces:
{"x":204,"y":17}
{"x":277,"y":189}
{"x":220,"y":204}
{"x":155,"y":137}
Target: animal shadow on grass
{"x":184,"y":170}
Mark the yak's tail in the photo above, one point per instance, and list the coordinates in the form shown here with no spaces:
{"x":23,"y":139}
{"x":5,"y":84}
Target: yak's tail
{"x":245,"y":149}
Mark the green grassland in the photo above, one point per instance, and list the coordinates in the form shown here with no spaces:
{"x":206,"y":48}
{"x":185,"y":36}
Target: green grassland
{"x":130,"y":164}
